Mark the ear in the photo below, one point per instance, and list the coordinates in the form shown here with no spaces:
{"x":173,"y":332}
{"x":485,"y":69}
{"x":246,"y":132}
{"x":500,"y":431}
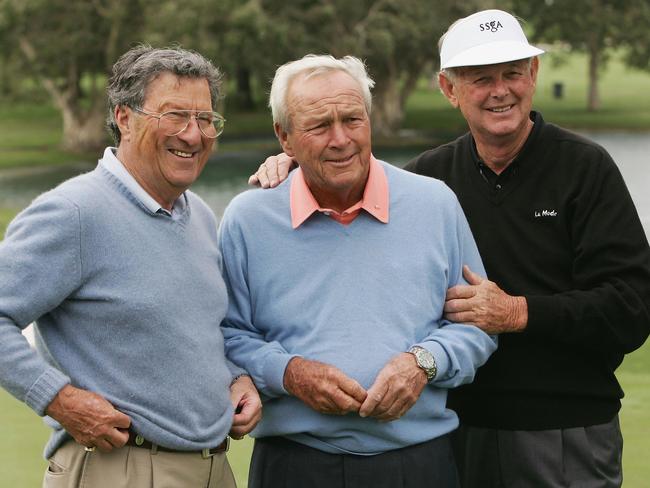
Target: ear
{"x":283,"y":137}
{"x":448,"y":90}
{"x":534,"y":68}
{"x":123,"y":119}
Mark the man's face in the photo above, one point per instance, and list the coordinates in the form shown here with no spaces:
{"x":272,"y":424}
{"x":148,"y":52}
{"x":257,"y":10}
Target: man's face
{"x":494,"y":99}
{"x":330,"y":135}
{"x":167,"y":165}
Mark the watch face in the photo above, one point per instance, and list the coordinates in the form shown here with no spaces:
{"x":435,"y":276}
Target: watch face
{"x":426,"y":359}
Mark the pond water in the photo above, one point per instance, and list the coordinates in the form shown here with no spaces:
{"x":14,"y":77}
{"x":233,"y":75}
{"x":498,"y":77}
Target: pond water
{"x":226,"y":173}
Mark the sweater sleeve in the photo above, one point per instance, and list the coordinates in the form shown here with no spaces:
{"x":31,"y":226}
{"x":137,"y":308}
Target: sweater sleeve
{"x":459,"y":349}
{"x":607,"y":309}
{"x":39,"y":267}
{"x":246,"y":345}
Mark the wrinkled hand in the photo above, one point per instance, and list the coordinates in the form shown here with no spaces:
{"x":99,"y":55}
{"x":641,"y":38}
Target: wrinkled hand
{"x":248,"y":407}
{"x":273,"y":171}
{"x":323,"y":387}
{"x":484,"y":304}
{"x":396,"y":389}
{"x":89,"y":418}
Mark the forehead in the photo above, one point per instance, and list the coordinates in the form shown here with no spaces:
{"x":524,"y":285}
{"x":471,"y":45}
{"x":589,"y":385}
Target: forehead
{"x":471,"y":70}
{"x":322,"y":91}
{"x":170,"y":90}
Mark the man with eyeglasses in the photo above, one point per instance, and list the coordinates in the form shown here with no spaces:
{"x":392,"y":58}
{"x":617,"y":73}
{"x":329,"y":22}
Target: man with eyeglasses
{"x":120,"y":270}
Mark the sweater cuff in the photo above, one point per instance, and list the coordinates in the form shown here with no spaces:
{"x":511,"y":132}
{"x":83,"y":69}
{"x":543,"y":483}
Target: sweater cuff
{"x":235,"y":370}
{"x":542,"y":315}
{"x":440,"y":357}
{"x":44,"y":389}
{"x":274,"y":368}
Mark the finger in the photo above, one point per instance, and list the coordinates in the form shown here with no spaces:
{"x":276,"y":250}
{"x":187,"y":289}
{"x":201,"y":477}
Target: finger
{"x":375,"y":396}
{"x":460,"y":291}
{"x":262,"y":176}
{"x":118,"y":438}
{"x":272,"y":172}
{"x":345,"y":403}
{"x":253,"y":180}
{"x":460,"y":317}
{"x":121,"y":420}
{"x":457,"y":305}
{"x":103,"y":445}
{"x":471,"y":277}
{"x":352,"y":389}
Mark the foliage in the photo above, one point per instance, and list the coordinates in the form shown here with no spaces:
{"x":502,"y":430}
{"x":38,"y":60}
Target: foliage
{"x":594,"y":27}
{"x":69,"y":46}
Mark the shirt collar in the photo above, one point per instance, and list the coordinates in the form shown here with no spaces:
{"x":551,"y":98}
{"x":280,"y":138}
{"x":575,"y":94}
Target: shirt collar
{"x":375,"y":198}
{"x":114,"y":166}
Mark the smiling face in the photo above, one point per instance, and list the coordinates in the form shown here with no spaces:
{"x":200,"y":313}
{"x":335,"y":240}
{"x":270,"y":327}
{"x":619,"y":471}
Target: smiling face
{"x":496,"y":99}
{"x":329,"y":136}
{"x":165,"y":166}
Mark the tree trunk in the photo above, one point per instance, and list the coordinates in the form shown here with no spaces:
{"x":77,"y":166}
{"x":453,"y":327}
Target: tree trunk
{"x":244,"y":94}
{"x":387,"y":108}
{"x":593,"y":98}
{"x":83,"y":132}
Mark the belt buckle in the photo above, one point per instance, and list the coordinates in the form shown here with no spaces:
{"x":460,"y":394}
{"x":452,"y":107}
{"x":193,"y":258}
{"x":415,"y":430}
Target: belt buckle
{"x":206,"y":454}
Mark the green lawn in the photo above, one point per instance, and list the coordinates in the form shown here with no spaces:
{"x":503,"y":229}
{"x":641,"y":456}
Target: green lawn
{"x":22,"y":434}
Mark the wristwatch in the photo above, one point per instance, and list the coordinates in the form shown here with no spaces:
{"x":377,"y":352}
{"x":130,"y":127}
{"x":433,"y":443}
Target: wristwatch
{"x":425,"y":361}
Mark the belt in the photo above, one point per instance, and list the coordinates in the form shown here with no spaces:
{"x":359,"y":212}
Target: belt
{"x":136,"y":440}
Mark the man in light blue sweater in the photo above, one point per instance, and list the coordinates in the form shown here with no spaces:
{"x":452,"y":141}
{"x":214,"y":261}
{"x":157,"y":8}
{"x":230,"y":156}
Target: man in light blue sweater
{"x":120,"y":270}
{"x":343,"y":332}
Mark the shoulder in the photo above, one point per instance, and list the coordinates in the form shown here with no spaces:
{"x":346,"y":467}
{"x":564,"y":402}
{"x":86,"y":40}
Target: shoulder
{"x":257,"y":204}
{"x":436,"y":160}
{"x":580,"y":149}
{"x":417,"y":189}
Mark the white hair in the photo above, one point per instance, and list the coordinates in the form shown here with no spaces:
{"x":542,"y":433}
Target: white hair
{"x":313,"y":65}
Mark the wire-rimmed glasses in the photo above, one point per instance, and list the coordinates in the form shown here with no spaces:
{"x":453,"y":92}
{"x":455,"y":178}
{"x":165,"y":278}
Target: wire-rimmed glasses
{"x":173,"y":122}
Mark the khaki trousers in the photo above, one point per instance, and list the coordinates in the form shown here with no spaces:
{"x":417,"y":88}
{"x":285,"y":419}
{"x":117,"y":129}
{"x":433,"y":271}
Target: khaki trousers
{"x":134,"y":467}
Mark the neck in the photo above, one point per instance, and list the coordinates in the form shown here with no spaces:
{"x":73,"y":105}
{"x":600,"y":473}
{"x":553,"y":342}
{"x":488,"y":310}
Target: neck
{"x":337,"y":201}
{"x":498,"y":152}
{"x":164,"y":198}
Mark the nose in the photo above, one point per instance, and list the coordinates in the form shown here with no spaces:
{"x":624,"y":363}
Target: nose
{"x":192,"y":134}
{"x":338,"y":135}
{"x":500,"y":88}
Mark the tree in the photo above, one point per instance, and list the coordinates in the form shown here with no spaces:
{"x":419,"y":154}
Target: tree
{"x":397,"y":38}
{"x":69,"y":47}
{"x":593,"y":27}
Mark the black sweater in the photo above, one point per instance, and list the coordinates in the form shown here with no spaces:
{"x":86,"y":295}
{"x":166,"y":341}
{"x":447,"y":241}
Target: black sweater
{"x":563,"y":232}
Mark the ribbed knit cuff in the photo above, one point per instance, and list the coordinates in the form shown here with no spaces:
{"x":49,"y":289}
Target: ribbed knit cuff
{"x":234,"y":369}
{"x":274,"y":368}
{"x":44,"y":389}
{"x":441,"y":358}
{"x":543,"y":318}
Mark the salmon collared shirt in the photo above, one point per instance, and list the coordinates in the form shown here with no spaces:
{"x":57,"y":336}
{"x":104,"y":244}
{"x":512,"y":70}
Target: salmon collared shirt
{"x":374,"y":200}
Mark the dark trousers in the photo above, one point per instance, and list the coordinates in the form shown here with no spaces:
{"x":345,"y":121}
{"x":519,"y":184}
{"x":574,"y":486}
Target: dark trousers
{"x":584,"y":457}
{"x":280,"y":463}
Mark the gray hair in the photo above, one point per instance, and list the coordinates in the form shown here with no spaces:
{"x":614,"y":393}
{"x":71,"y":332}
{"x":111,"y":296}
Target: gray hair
{"x":141,"y":65}
{"x":313,"y":65}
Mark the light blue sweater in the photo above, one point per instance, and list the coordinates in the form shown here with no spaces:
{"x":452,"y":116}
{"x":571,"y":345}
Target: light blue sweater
{"x":128,"y":305}
{"x":351,"y":296}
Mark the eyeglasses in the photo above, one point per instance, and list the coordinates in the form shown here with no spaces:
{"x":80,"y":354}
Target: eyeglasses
{"x":174,"y":122}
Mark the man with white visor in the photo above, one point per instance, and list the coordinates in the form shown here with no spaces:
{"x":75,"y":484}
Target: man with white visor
{"x":557,"y":230}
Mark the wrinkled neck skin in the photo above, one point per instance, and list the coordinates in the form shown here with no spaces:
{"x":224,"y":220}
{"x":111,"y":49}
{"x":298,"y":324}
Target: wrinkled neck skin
{"x":498,"y":152}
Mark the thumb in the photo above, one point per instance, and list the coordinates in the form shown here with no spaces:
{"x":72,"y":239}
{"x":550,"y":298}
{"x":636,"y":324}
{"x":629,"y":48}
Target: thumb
{"x":471,"y":277}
